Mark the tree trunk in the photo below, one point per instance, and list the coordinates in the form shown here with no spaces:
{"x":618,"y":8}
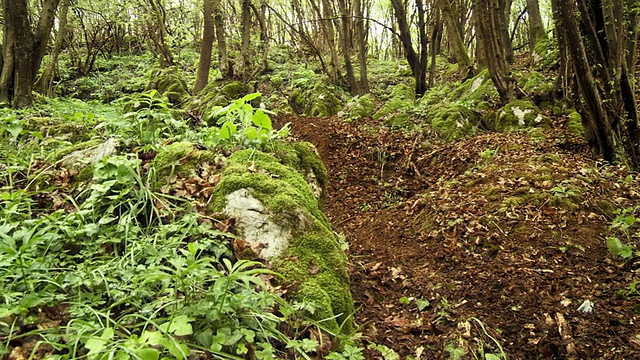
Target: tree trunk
{"x":221,"y":39}
{"x":436,"y":31}
{"x":158,"y":33}
{"x":361,"y":45}
{"x":345,"y":41}
{"x":208,"y":34}
{"x":491,"y":27}
{"x":454,"y":33}
{"x":536,"y":27}
{"x":23,"y":50}
{"x":245,"y":23}
{"x":605,"y":83}
{"x":400,"y":13}
{"x":45,"y":83}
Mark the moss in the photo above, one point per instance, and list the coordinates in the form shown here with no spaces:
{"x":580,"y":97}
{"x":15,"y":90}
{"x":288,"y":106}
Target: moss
{"x":479,"y":87}
{"x":393,"y":105}
{"x":233,"y":90}
{"x":170,"y":83}
{"x":182,"y":158}
{"x":302,"y":156}
{"x":403,"y":91}
{"x":62,"y":152}
{"x":359,"y":107}
{"x":59,"y":128}
{"x":319,"y":101}
{"x":320,"y":268}
{"x":398,"y":120}
{"x":454,"y":121}
{"x":535,"y":82}
{"x":519,"y":114}
{"x":575,"y":123}
{"x":313,"y":265}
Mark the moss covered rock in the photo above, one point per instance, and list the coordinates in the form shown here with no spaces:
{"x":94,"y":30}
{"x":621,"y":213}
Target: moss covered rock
{"x":518,"y":114}
{"x":217,"y":94}
{"x":170,"y":83}
{"x":319,"y":101}
{"x":476,"y":89}
{"x":534,"y":82}
{"x":395,"y":112}
{"x":454,"y":120}
{"x":359,"y":107}
{"x":184,"y":159}
{"x":266,"y":192}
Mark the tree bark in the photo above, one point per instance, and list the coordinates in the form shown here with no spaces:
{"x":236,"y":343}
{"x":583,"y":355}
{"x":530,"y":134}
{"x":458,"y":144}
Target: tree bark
{"x":221,"y":39}
{"x":345,"y":41}
{"x":23,"y":50}
{"x":605,"y":83}
{"x":536,"y":27}
{"x":419,"y":72}
{"x":208,"y":35}
{"x":491,"y":27}
{"x":245,"y":23}
{"x":44,"y":83}
{"x":361,"y":45}
{"x":454,"y":33}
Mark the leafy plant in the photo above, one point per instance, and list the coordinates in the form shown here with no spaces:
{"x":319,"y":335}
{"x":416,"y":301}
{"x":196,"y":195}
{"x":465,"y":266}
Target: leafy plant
{"x":147,"y":123}
{"x":622,"y":226}
{"x":241,"y":125}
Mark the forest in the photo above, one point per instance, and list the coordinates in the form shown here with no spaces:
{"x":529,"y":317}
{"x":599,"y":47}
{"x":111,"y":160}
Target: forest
{"x":319,"y":179}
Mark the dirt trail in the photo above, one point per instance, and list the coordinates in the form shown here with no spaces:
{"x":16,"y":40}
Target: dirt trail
{"x":458,"y":247}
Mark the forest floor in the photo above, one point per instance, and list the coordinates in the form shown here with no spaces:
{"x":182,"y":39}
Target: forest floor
{"x":493,"y":245}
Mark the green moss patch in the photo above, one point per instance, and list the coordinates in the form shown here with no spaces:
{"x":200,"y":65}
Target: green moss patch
{"x":318,"y":101}
{"x":170,"y":83}
{"x":359,"y":107}
{"x":454,"y":121}
{"x":534,"y":82}
{"x":518,"y":114}
{"x":184,"y":159}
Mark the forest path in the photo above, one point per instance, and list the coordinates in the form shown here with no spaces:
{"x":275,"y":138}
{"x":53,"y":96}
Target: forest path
{"x":436,"y":254}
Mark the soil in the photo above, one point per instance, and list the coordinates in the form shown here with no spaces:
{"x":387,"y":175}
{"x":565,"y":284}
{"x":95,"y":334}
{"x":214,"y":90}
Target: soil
{"x":491,"y":245}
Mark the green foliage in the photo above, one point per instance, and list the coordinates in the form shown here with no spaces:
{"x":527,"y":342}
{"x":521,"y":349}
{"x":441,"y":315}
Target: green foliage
{"x":148,"y":121}
{"x":134,"y":273}
{"x":242,"y":125}
{"x":114,"y":77}
{"x":624,"y":226}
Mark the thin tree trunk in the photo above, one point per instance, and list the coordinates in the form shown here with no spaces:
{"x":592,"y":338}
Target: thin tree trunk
{"x":345,"y":40}
{"x":412,"y":56}
{"x":221,"y":39}
{"x":536,"y":27}
{"x":361,"y":44}
{"x":245,"y":23}
{"x":208,"y":34}
{"x":491,"y":28}
{"x":435,"y":35}
{"x":45,"y":82}
{"x":455,"y":37}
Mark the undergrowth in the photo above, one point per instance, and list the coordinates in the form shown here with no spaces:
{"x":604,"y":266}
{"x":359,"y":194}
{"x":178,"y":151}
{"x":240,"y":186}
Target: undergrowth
{"x":118,"y":268}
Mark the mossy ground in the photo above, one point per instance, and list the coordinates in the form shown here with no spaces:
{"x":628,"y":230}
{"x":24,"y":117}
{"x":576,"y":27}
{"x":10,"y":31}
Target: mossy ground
{"x":318,"y":101}
{"x":170,"y":83}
